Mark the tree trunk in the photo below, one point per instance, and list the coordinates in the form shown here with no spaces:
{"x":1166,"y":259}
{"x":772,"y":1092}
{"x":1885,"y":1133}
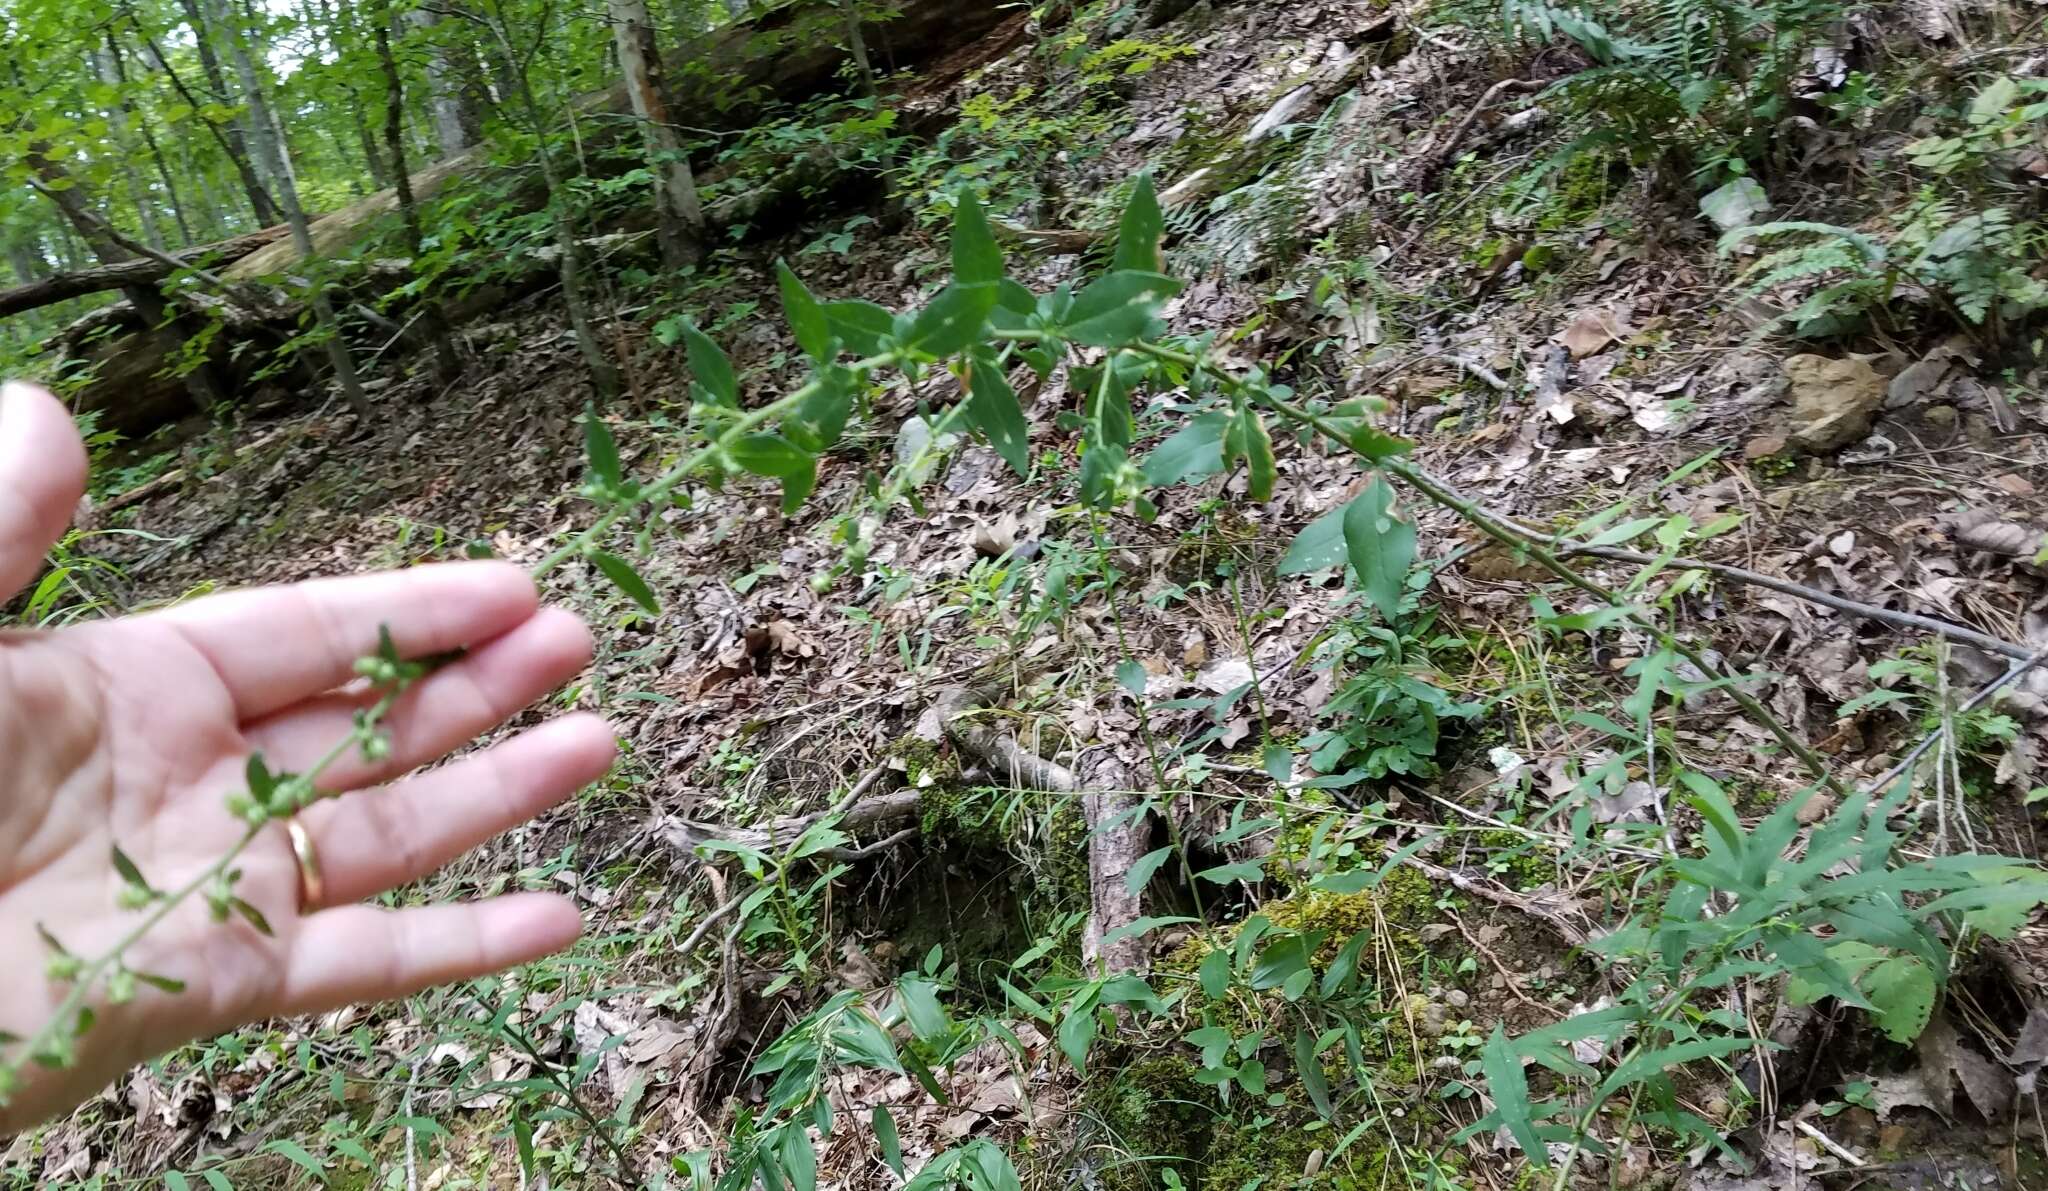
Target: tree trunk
{"x":452,"y":130}
{"x":433,"y":323}
{"x":679,"y":217}
{"x":124,"y":145}
{"x":233,"y":138}
{"x":604,"y":375}
{"x":270,"y":150}
{"x":857,"y":45}
{"x":40,"y":289}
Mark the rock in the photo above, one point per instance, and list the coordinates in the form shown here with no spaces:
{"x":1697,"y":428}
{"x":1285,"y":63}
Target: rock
{"x":1833,"y":401}
{"x":1457,"y":998}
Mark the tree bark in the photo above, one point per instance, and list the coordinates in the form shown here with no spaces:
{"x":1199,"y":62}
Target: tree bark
{"x":40,"y":291}
{"x":118,"y":130}
{"x":433,"y":323}
{"x":270,"y":150}
{"x":234,"y":139}
{"x":679,"y":217}
{"x":455,"y":129}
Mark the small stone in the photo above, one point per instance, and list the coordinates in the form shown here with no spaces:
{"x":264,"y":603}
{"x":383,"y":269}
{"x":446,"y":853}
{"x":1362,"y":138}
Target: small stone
{"x":1940,"y":416}
{"x":1833,"y":401}
{"x":1457,"y":998}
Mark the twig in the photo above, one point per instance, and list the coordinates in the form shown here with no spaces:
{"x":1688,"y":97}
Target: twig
{"x":1479,"y":372}
{"x":1933,"y":738}
{"x":1812,"y":595}
{"x":1827,"y":1143}
{"x":1442,"y":155}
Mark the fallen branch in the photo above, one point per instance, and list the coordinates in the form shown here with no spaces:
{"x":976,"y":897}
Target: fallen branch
{"x":1438,"y":158}
{"x":1912,"y":620}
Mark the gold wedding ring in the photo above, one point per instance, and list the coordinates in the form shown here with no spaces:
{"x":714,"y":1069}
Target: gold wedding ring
{"x":312,"y":888}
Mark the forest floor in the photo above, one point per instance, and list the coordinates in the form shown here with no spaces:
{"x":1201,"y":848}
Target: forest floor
{"x":1557,"y":344}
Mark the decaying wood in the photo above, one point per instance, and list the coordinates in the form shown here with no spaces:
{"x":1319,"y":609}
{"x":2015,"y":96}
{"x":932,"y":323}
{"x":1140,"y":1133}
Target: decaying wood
{"x":1118,"y":836}
{"x":141,"y":271}
{"x":725,"y":80}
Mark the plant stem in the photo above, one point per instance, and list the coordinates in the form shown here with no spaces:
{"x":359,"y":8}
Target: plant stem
{"x":673,"y":478}
{"x":1486,"y":523}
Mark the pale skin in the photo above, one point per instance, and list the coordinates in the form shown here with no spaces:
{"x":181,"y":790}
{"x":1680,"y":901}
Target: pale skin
{"x":132,"y":731}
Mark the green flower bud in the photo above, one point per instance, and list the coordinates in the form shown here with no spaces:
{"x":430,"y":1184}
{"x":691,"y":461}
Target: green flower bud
{"x":121,"y":986}
{"x":63,"y":969}
{"x":133,"y":897}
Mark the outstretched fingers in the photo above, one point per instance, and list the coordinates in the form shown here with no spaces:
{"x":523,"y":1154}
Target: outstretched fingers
{"x":42,"y":474}
{"x":445,"y":711}
{"x":276,"y":646}
{"x":359,"y":954}
{"x":380,"y":839}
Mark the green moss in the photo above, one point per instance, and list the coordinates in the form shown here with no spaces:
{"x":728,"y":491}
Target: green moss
{"x":1516,"y":859}
{"x":1275,"y":1150}
{"x":1157,"y":1116}
{"x":1066,"y":861}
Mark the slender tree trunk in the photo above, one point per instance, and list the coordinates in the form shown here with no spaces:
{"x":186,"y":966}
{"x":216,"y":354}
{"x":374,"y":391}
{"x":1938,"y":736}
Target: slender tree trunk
{"x":604,"y":375}
{"x":156,"y":151}
{"x":857,"y":45}
{"x":433,"y":323}
{"x":457,"y":126}
{"x":25,"y":257}
{"x":234,"y":137}
{"x":270,"y":150}
{"x":124,"y":145}
{"x":679,"y":218}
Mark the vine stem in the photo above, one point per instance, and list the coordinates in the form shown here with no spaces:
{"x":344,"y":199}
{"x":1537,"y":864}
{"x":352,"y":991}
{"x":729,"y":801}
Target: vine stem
{"x":95,"y":970}
{"x":670,"y":480}
{"x":1544,"y":555}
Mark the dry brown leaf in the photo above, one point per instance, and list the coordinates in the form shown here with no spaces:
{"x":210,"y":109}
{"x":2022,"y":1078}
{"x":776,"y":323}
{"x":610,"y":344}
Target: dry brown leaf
{"x":1590,"y":331}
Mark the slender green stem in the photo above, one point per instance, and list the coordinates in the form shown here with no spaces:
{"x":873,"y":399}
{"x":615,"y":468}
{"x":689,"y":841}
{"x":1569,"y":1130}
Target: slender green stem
{"x":670,"y":480}
{"x":1505,"y":534}
{"x":95,"y":970}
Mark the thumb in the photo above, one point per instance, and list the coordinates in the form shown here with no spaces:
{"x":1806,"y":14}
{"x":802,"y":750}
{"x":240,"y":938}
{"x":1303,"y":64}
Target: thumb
{"x":42,"y":475}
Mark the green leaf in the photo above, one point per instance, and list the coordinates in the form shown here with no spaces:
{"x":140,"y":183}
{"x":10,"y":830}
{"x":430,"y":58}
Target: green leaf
{"x":1142,"y":230}
{"x":1077,"y":1033}
{"x":993,"y":409}
{"x":1142,"y":870}
{"x":1249,"y":871}
{"x":955,"y":319}
{"x":1627,"y":531}
{"x":1310,"y":1068}
{"x":799,"y":1160}
{"x":129,"y":873}
{"x":820,"y":419}
{"x":1319,"y":547}
{"x":1214,"y":974}
{"x":711,"y":368}
{"x":776,"y":457}
{"x":977,"y":259}
{"x":1247,"y":439}
{"x":1381,"y":546}
{"x":1278,"y":762}
{"x":885,"y":1136}
{"x":626,"y":579}
{"x":920,"y":999}
{"x":1509,"y":1086}
{"x":865,"y":328}
{"x":297,"y":1153}
{"x":1130,"y":675}
{"x":251,"y":915}
{"x":176,"y":1181}
{"x":806,"y":316}
{"x":160,"y":983}
{"x":1193,"y":452}
{"x":1118,"y":308}
{"x":1901,"y":991}
{"x":599,"y":448}
{"x":216,"y":1180}
{"x":261,"y":783}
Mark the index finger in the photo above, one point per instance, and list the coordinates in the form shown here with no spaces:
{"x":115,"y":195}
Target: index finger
{"x":276,"y":646}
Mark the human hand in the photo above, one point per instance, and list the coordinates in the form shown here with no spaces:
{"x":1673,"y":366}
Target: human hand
{"x":131,"y":732}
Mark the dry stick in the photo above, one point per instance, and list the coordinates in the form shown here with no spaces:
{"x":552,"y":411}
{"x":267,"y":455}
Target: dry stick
{"x":1909,"y":620}
{"x":1977,"y":700}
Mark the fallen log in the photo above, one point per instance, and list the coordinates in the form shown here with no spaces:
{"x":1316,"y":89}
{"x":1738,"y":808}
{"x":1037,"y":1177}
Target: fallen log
{"x":726,"y":79}
{"x":141,"y":271}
